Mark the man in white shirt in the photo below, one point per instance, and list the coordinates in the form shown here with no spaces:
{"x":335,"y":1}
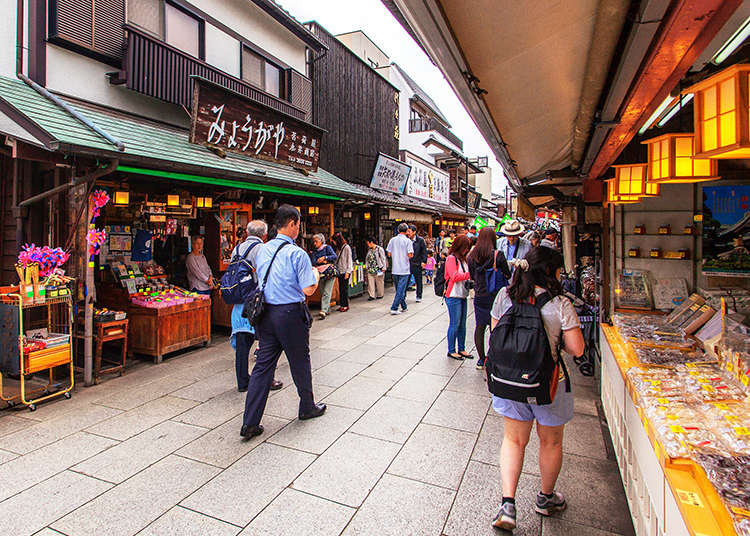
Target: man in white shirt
{"x":400,"y":250}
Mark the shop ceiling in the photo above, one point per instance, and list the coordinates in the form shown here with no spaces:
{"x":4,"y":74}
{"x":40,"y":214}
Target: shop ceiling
{"x":559,"y":89}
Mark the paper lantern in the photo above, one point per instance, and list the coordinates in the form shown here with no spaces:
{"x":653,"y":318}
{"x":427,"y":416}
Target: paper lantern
{"x":122,"y":198}
{"x":204,"y":202}
{"x":368,"y":216}
{"x":671,"y":159}
{"x":722,"y":114}
{"x":614,"y":198}
{"x":173,"y":200}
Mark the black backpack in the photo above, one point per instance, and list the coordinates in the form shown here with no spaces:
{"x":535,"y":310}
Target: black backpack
{"x":239,"y":279}
{"x":438,"y":282}
{"x":520,"y":364}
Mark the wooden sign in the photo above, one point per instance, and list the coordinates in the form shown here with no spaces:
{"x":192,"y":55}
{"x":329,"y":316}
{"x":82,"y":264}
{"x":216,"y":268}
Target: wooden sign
{"x":223,"y":119}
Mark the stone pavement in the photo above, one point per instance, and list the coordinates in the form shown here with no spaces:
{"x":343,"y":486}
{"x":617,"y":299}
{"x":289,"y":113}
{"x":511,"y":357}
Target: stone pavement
{"x":409,"y":445}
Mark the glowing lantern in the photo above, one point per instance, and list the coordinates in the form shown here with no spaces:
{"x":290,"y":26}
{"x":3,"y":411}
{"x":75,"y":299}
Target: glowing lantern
{"x":671,"y":159}
{"x":122,"y":198}
{"x":614,"y":198}
{"x":721,"y":118}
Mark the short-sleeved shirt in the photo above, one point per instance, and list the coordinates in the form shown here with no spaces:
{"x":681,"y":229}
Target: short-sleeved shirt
{"x":399,"y":247}
{"x":558,"y":314}
{"x":291,"y":271}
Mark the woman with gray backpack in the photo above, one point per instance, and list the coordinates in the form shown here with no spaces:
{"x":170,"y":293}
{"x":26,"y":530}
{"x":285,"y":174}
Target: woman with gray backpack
{"x":526,"y":374}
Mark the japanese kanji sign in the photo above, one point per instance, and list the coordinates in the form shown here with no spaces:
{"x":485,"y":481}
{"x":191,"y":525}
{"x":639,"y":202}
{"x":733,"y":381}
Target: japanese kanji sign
{"x":426,"y":181}
{"x":390,"y":174}
{"x":223,"y":119}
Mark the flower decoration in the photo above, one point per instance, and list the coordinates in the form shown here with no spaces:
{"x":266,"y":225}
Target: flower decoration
{"x":95,"y":239}
{"x":49,"y":259}
{"x":99,"y":199}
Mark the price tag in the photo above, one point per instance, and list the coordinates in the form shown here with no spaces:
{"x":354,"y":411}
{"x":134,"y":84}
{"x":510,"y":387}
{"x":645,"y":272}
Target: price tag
{"x":697,"y":217}
{"x":741,"y":430}
{"x":655,"y":382}
{"x":677,"y":429}
{"x":721,"y":405}
{"x":662,"y":401}
{"x":708,"y":388}
{"x":740,"y":511}
{"x":691,"y":365}
{"x":672,"y":417}
{"x":730,"y":366}
{"x":690,"y":498}
{"x":745,"y":380}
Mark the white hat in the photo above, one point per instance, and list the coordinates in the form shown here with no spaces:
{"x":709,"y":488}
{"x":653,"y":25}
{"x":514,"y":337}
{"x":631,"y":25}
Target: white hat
{"x":512,"y":228}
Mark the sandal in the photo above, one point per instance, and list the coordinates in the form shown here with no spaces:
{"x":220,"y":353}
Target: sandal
{"x":456,"y":356}
{"x":466,"y":355}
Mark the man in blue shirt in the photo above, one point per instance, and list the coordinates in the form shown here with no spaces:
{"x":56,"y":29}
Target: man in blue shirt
{"x":285,"y":325}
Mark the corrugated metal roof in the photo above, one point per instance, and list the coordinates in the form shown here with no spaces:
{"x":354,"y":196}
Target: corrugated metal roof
{"x":162,"y":144}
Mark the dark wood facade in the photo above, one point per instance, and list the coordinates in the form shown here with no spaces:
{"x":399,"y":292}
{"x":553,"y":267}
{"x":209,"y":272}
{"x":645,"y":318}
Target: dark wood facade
{"x":358,"y":108}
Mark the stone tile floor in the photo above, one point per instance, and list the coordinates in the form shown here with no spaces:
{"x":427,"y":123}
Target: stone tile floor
{"x":409,"y":446}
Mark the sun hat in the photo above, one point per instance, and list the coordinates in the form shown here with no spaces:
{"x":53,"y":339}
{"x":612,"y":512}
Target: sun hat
{"x":512,"y":228}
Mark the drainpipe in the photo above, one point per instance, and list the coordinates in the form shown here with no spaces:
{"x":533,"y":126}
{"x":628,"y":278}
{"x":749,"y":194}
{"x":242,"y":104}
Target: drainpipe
{"x":610,"y":18}
{"x":19,"y":36}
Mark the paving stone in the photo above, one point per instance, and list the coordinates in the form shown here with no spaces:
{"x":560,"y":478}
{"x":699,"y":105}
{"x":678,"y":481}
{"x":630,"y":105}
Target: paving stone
{"x":348,"y":470}
{"x":388,"y":368}
{"x":320,"y":357}
{"x":183,"y":522}
{"x":293,"y":513}
{"x":316,"y":435}
{"x":216,"y":411}
{"x":223,"y":445}
{"x":435,"y":455}
{"x":468,"y":379}
{"x":583,"y":436}
{"x":33,"y":509}
{"x":368,"y":331}
{"x":135,"y":421}
{"x":131,"y":456}
{"x":48,"y":532}
{"x":552,"y":526}
{"x":586,"y":398}
{"x":13,"y":423}
{"x":366,"y":354}
{"x":344,"y":343}
{"x":359,"y":393}
{"x":428,"y":336}
{"x":419,"y":386}
{"x":414,"y":351}
{"x":330,"y":332}
{"x":129,"y":507}
{"x":438,"y":364}
{"x":391,"y":338}
{"x":479,"y":498}
{"x":132,"y":398}
{"x":461,"y":411}
{"x":209,"y":387}
{"x":239,"y":493}
{"x":25,"y":471}
{"x":285,"y":403}
{"x":387,"y":511}
{"x":594,"y":493}
{"x":487,"y":449}
{"x":6,"y":456}
{"x":44,"y":433}
{"x":337,"y":373}
{"x":391,"y":419}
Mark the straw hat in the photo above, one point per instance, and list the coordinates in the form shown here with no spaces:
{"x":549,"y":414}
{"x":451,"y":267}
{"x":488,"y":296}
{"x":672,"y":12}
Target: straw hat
{"x":512,"y":228}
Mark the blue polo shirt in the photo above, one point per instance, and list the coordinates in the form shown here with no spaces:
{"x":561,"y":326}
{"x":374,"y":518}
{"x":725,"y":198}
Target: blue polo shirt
{"x":290,"y":273}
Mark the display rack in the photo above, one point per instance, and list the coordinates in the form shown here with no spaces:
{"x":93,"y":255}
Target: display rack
{"x":17,"y":313}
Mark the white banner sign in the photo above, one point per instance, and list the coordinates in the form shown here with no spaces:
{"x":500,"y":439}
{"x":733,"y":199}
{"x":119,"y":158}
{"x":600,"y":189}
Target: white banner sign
{"x":427,"y":182}
{"x":390,"y":174}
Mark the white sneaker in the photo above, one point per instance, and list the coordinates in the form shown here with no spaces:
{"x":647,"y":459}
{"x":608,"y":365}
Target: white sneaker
{"x":396,"y":312}
{"x":419,"y":300}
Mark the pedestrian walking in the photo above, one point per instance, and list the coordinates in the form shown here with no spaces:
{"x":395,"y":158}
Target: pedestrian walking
{"x":447,"y":243}
{"x":400,"y":250}
{"x":490,"y":272}
{"x":456,"y":296}
{"x":376,"y":263}
{"x":534,"y":238}
{"x":416,"y":261}
{"x":536,"y":280}
{"x":550,"y":239}
{"x":324,"y":259}
{"x":243,"y":334}
{"x":429,"y":266}
{"x":439,"y":241}
{"x":345,"y":267}
{"x":285,"y":324}
{"x":513,"y":245}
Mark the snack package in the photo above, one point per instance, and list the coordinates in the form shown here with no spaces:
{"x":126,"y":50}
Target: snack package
{"x":649,"y":355}
{"x":729,"y":474}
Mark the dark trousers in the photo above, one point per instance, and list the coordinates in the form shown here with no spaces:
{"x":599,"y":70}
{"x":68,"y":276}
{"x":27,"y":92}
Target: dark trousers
{"x":416,"y":271}
{"x":343,"y":290}
{"x":243,"y":341}
{"x":283,"y":328}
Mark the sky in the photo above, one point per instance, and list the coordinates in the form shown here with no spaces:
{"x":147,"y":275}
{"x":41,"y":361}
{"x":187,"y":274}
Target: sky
{"x":372,"y":17}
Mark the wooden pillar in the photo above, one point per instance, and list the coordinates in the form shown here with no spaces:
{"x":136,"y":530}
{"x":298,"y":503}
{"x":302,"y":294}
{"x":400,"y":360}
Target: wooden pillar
{"x":569,"y":218}
{"x":330,"y":213}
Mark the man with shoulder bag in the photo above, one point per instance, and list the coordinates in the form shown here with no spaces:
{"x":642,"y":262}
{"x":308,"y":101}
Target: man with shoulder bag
{"x":282,"y":321}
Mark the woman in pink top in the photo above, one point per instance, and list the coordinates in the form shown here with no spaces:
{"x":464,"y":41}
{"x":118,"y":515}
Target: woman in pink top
{"x":456,"y":296}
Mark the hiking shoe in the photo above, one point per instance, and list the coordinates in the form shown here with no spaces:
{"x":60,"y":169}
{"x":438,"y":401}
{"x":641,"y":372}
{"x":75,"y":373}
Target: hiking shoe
{"x":506,"y":517}
{"x":546,"y":506}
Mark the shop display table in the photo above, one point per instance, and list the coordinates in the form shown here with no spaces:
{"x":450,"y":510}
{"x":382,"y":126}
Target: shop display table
{"x":112,"y":331}
{"x":667,"y":496}
{"x":221,"y":312}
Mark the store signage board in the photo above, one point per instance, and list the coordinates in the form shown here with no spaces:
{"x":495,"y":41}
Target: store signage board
{"x":223,"y":119}
{"x":427,"y":182}
{"x":390,"y":174}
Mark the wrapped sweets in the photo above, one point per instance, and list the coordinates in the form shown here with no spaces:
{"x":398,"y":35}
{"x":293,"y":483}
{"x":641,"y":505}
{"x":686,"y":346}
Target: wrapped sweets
{"x":709,"y":383}
{"x":666,"y":356}
{"x":729,"y":474}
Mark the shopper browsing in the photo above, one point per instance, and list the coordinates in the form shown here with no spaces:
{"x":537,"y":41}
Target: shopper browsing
{"x":345,"y":267}
{"x":456,"y":296}
{"x":285,"y":324}
{"x":535,"y":281}
{"x":376,"y":264}
{"x":324,"y":259}
{"x":419,"y":258}
{"x":512,"y":244}
{"x":400,"y":250}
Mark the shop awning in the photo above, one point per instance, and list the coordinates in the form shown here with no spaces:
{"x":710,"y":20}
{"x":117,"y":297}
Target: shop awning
{"x":409,"y":216}
{"x":381,"y":197}
{"x":155,"y":146}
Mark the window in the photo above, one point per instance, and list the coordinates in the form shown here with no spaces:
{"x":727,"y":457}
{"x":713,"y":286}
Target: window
{"x":147,"y":14}
{"x":260,"y":73}
{"x":182,"y":31}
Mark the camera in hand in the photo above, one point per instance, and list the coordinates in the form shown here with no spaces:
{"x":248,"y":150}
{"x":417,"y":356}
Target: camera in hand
{"x":469,"y":284}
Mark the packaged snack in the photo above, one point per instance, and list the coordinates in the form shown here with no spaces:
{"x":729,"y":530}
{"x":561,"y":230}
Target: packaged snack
{"x":649,"y":355}
{"x":729,"y":474}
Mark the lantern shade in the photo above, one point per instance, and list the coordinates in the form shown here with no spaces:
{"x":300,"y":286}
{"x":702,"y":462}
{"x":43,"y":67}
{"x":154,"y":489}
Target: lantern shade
{"x":122,"y":197}
{"x":630,"y":180}
{"x":616,"y":199}
{"x":671,"y":159}
{"x":173,"y":200}
{"x":722,"y":114}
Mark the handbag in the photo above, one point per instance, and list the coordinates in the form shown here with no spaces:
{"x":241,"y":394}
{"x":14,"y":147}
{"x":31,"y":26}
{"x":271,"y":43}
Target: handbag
{"x":256,"y":301}
{"x":494,"y":278}
{"x":327,"y":271}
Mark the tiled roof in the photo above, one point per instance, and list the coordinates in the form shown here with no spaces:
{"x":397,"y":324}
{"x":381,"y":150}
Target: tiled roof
{"x":160,"y":144}
{"x":421,"y":94}
{"x":400,"y":200}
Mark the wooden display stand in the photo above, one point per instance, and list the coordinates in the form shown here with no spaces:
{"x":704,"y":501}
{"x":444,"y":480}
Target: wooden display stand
{"x":315,"y":298}
{"x":221,"y":238}
{"x":114,"y":330}
{"x":221,"y":312}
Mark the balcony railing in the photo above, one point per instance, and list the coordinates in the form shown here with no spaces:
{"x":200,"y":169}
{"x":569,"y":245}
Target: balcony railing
{"x":422,"y":124}
{"x":157,"y":69}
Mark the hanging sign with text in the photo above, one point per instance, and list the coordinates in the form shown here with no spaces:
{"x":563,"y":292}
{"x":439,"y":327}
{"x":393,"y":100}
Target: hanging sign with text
{"x":426,"y":181}
{"x":390,"y":174}
{"x":223,"y":119}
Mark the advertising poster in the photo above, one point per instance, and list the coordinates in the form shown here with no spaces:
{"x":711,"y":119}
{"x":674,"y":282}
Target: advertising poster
{"x":427,"y":182}
{"x":390,"y":174}
{"x":726,"y":229}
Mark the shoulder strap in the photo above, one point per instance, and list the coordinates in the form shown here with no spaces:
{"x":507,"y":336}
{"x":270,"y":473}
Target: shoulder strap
{"x":543,"y":299}
{"x":494,"y":261}
{"x":265,"y":279}
{"x":247,"y":252}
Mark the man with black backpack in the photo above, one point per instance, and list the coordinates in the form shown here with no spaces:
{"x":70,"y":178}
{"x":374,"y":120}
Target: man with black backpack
{"x":243,"y":334}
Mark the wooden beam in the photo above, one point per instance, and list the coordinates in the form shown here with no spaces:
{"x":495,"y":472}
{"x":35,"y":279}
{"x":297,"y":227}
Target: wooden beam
{"x":687,"y":29}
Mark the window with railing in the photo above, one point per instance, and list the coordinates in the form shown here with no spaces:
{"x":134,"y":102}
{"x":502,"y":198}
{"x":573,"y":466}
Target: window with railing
{"x":170,"y":22}
{"x":260,"y":73}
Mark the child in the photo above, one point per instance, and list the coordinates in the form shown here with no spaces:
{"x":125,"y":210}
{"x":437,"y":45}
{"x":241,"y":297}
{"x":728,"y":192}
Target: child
{"x":429,"y":266}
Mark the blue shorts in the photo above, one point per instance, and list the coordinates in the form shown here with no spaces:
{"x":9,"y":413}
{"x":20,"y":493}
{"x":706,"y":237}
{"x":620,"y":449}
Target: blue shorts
{"x":555,"y":414}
